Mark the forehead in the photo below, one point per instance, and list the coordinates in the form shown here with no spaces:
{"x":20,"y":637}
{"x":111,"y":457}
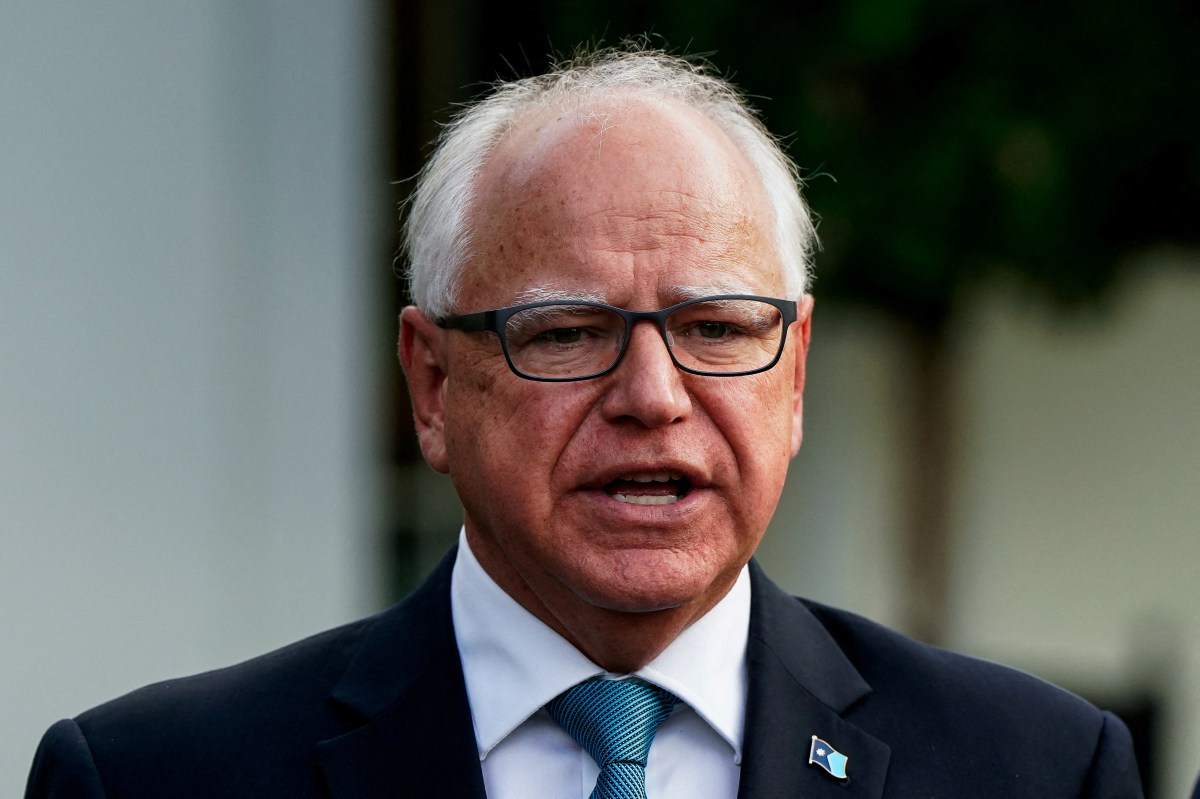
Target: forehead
{"x":629,"y":193}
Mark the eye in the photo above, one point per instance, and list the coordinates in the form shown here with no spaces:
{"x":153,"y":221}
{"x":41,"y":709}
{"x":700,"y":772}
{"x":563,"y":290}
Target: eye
{"x":562,"y":335}
{"x":559,"y":326}
{"x":712,"y":329}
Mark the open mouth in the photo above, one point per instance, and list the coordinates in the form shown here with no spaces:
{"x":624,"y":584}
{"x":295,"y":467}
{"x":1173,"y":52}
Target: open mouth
{"x":659,"y":488}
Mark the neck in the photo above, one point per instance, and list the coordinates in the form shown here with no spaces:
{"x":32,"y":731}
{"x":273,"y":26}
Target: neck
{"x":622,"y":642}
{"x":619,"y":641}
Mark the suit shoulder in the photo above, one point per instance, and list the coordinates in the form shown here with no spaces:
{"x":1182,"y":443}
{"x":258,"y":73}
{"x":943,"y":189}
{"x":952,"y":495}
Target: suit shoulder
{"x":255,"y":728}
{"x":950,"y":717}
{"x":900,"y":668}
{"x":242,"y":730}
{"x":307,"y":667}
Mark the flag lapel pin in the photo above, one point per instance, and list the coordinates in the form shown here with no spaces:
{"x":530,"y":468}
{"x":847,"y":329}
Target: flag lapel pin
{"x":823,"y":755}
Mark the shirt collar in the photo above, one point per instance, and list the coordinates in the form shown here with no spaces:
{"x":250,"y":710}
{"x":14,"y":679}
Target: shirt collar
{"x":514,"y":664}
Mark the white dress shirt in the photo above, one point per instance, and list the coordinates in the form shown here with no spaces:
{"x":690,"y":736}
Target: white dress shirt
{"x":514,"y":664}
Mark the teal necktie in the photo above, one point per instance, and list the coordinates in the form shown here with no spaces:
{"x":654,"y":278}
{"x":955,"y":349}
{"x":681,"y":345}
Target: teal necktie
{"x":615,"y":722}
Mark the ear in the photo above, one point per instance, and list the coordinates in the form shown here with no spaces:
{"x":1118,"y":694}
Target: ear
{"x":422,"y":350}
{"x":802,"y":333}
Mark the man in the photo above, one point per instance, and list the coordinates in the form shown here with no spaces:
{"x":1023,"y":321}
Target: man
{"x":606,"y":355}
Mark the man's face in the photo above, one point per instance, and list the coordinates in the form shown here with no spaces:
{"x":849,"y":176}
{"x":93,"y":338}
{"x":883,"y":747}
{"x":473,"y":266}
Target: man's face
{"x":641,"y":207}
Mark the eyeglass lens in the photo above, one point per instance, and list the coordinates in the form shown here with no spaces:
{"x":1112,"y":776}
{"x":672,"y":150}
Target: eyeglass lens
{"x":711,"y":336}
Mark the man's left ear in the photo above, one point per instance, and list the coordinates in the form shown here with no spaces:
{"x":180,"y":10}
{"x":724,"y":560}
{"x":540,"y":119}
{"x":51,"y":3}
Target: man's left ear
{"x":802,"y":333}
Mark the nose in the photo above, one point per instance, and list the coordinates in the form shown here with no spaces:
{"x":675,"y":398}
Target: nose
{"x":646,"y":386}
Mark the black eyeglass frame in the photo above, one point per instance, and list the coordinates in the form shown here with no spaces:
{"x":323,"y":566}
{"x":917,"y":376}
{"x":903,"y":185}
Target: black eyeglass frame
{"x":493,"y":321}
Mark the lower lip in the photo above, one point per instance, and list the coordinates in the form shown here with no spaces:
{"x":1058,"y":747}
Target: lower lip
{"x":602,"y":502}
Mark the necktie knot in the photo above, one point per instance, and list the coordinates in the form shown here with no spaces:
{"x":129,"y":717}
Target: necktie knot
{"x":615,"y":722}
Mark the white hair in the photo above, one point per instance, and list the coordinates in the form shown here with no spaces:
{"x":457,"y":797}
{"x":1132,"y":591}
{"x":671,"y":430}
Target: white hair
{"x":437,"y":233}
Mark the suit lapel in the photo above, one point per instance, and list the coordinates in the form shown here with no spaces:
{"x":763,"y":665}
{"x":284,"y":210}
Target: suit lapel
{"x":405,"y":695}
{"x":801,"y":684}
{"x":405,"y":691}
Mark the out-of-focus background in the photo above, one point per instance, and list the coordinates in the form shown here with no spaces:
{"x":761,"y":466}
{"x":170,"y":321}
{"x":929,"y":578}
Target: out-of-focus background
{"x":204,"y":443}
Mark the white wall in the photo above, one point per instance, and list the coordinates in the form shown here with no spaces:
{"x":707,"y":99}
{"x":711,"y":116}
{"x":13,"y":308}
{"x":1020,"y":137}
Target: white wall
{"x":185,"y":449}
{"x":1080,"y":507}
{"x":1077,"y":511}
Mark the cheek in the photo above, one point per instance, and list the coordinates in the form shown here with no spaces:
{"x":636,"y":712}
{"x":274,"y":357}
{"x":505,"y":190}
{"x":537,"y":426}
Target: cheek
{"x":505,"y":435}
{"x":756,"y":422}
{"x":479,"y":421}
{"x":756,"y":416}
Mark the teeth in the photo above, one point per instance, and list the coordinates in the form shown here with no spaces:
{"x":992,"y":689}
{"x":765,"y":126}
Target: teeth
{"x":657,"y":499}
{"x":655,"y":477}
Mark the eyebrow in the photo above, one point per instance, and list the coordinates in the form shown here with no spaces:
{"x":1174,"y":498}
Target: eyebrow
{"x":684,"y":293}
{"x":544,"y":294}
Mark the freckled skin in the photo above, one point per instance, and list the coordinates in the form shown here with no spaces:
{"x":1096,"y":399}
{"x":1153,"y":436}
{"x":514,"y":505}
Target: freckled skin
{"x":627,"y":205}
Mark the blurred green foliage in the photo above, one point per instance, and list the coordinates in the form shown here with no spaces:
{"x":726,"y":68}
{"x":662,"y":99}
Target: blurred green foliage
{"x":943,"y":140}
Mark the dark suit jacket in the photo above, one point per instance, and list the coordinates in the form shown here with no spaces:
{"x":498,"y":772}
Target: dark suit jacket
{"x":378,"y":708}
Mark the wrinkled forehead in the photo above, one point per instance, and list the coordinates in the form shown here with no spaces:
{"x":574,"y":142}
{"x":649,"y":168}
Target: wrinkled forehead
{"x":629,"y":175}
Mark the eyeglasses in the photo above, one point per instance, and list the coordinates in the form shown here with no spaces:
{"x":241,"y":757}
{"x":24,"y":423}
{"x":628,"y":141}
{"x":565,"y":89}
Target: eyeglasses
{"x":727,"y":335}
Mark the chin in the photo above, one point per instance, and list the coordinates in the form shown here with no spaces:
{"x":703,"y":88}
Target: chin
{"x":645,"y":581}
